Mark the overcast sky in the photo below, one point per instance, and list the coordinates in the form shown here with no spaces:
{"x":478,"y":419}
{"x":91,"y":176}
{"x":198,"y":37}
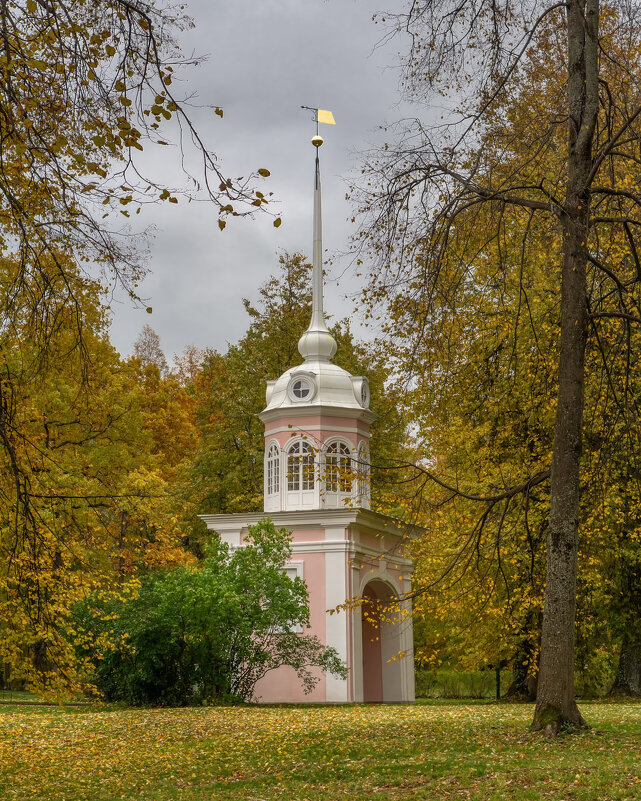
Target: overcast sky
{"x":266,"y":58}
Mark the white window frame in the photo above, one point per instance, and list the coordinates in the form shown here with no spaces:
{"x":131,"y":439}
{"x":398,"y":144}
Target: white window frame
{"x":299,"y":480}
{"x":295,"y":570}
{"x":273,"y":469}
{"x":335,"y":498}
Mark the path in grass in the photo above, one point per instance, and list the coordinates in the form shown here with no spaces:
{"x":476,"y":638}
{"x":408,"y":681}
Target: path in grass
{"x":435,"y":751}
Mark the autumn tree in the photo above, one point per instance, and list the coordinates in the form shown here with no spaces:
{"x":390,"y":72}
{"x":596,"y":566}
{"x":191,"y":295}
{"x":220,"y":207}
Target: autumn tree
{"x":187,"y":366}
{"x":147,"y":348}
{"x":571,"y":171}
{"x":489,"y":417}
{"x":485,"y":421}
{"x":85,"y":498}
{"x":84,"y":87}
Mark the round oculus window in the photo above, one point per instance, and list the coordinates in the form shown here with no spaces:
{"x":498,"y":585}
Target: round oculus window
{"x":365,"y":393}
{"x":301,"y":389}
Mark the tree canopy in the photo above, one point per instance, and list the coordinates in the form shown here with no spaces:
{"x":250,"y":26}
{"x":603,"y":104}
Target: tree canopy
{"x":84,"y":497}
{"x":84,"y":88}
{"x":505,"y":245}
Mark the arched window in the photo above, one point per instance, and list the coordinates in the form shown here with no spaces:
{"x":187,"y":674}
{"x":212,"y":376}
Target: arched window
{"x":300,"y":467}
{"x":273,"y":469}
{"x":338,"y":468}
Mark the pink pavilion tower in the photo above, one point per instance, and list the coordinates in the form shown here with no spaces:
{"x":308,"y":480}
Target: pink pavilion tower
{"x":317,"y":431}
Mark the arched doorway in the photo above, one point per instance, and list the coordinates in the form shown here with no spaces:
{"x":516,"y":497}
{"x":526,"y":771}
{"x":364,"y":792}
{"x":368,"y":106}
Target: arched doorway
{"x":381,"y":642}
{"x":372,"y":662}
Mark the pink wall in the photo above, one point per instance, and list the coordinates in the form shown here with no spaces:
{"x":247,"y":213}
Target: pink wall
{"x":314,"y":575}
{"x":308,"y":535}
{"x":300,"y":535}
{"x":317,"y":429}
{"x":282,"y":685}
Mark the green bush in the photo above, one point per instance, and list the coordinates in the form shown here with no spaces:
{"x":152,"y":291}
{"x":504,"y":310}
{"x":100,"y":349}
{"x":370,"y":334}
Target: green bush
{"x":595,"y":677}
{"x":459,"y":684}
{"x":205,"y":634}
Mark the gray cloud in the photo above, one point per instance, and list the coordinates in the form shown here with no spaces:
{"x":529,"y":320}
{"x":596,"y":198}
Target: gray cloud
{"x":266,"y":59}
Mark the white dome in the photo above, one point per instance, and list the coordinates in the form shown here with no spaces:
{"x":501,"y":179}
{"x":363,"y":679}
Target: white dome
{"x":317,"y":383}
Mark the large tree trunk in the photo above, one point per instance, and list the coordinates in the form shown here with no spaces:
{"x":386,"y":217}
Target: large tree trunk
{"x":628,"y":678}
{"x":555,"y":699}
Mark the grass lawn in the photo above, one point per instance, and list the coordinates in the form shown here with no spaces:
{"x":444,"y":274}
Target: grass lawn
{"x":432,"y":751}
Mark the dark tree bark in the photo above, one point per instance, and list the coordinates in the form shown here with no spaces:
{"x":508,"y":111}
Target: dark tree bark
{"x":555,"y":701}
{"x":524,"y":675}
{"x":628,"y":678}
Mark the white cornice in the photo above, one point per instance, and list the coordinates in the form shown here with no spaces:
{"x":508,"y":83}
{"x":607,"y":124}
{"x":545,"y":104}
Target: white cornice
{"x":315,"y":518}
{"x":267,"y":415}
{"x":314,"y":427}
{"x":352,"y":549}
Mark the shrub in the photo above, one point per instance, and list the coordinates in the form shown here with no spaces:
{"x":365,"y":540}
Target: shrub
{"x":459,"y":684}
{"x":205,"y":634}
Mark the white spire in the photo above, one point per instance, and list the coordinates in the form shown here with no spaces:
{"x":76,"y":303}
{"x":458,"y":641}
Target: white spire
{"x":317,"y":344}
